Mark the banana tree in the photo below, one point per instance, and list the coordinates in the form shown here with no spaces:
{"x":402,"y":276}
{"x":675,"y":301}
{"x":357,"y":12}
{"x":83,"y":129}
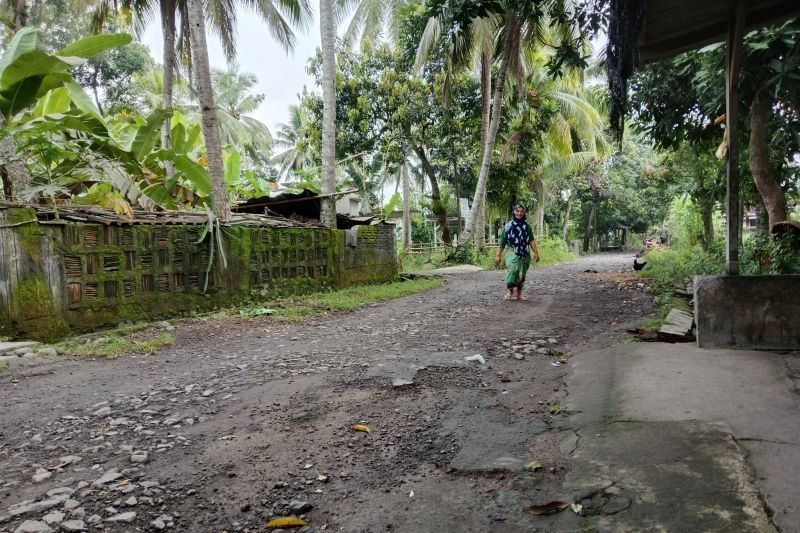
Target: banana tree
{"x":64,"y":143}
{"x":27,"y":75}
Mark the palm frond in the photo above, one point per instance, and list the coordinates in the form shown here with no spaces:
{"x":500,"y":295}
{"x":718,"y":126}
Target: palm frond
{"x":431,"y":35}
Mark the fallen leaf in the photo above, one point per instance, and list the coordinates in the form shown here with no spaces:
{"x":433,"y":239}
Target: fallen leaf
{"x":228,"y":437}
{"x":286,"y":521}
{"x":548,"y":507}
{"x":576,"y":508}
{"x":534,"y":465}
{"x":322,"y":477}
{"x":361,"y":427}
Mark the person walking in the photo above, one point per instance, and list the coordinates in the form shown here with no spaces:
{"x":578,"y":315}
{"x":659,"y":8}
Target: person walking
{"x":518,"y":236}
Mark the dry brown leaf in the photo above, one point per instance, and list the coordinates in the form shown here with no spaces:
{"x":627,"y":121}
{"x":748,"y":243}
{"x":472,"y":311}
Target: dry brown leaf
{"x":286,"y":521}
{"x":361,"y":427}
{"x":548,"y":507}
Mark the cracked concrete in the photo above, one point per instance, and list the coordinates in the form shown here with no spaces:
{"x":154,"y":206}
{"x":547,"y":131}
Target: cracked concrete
{"x":706,"y":439}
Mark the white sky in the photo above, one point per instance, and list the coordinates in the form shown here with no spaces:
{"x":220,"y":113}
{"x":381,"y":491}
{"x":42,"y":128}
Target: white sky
{"x":281,"y":77}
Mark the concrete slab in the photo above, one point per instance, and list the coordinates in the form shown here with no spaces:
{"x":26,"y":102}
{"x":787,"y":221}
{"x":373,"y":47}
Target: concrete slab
{"x":678,"y":322}
{"x":457,"y":269}
{"x":664,"y":476}
{"x":656,"y":384}
{"x":8,"y":347}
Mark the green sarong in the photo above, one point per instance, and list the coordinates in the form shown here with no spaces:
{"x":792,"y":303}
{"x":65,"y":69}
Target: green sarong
{"x":517,"y":268}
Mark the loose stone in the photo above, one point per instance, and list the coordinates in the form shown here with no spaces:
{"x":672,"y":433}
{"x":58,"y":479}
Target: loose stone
{"x":73,"y":525}
{"x":33,"y":526}
{"x":53,"y":517}
{"x":129,"y":516}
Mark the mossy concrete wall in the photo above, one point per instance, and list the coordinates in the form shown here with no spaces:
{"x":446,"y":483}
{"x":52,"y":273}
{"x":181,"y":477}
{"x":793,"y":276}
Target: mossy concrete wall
{"x":57,"y":278}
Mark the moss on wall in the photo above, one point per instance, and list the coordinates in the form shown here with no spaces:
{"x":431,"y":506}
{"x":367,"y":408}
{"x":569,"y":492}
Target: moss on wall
{"x":113,"y":274}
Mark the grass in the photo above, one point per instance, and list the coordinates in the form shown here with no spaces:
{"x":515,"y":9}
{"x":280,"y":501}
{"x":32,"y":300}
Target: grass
{"x":301,"y":307}
{"x":116,"y":345}
{"x":3,"y":366}
{"x":134,"y":339}
{"x":552,"y":251}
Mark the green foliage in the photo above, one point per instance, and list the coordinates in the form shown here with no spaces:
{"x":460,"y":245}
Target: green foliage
{"x":28,"y":73}
{"x":770,"y":254}
{"x":301,"y":307}
{"x":420,"y":231}
{"x":673,"y":267}
{"x":683,"y":223}
{"x":394,"y":202}
{"x":553,"y":250}
{"x":116,"y":345}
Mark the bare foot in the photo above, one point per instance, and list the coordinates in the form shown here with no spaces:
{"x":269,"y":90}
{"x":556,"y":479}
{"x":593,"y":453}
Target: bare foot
{"x":507,"y":296}
{"x":521,"y":297}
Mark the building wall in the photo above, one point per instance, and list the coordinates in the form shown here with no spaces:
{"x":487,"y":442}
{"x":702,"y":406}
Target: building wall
{"x":77,"y":277}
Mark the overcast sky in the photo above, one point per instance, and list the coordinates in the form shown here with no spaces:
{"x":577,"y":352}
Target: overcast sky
{"x":281,"y":76}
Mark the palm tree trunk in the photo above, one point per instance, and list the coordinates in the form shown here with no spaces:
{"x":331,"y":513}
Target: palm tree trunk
{"x":565,"y":225}
{"x":168,"y":33}
{"x":512,"y":27}
{"x":406,"y":206}
{"x":328,"y":41}
{"x":763,"y":173}
{"x":438,"y":207}
{"x":20,"y":9}
{"x":589,"y":233}
{"x":486,"y":101}
{"x":538,"y":212}
{"x":197,"y":34}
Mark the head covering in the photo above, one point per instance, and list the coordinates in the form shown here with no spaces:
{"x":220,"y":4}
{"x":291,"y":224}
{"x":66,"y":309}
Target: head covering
{"x":514,"y":211}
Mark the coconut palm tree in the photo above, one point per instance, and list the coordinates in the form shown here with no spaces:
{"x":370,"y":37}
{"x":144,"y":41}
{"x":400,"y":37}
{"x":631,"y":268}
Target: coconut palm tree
{"x":235,"y":103}
{"x":328,"y":43}
{"x":373,"y":18}
{"x":205,"y":92}
{"x":519,"y":26}
{"x":278,"y":15}
{"x":291,"y":138}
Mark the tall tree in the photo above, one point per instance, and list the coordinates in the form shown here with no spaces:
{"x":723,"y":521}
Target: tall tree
{"x":521,"y":24}
{"x":406,"y":207}
{"x":328,"y":44}
{"x":683,"y":100}
{"x":197,"y":34}
{"x":292,"y":138}
{"x":235,"y":104}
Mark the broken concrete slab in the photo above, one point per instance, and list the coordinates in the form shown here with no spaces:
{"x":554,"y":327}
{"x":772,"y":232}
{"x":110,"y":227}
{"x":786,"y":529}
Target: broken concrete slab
{"x":458,"y":269}
{"x":679,"y":476}
{"x":749,"y":392}
{"x":678,"y":322}
{"x":8,"y":347}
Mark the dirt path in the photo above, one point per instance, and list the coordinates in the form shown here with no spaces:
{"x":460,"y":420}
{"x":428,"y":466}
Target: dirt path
{"x":244,"y":420}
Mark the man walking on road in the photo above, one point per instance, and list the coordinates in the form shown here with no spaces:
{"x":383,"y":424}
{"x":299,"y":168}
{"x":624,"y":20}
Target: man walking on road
{"x":518,"y":235}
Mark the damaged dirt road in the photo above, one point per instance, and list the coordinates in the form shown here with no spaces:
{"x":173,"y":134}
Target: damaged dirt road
{"x":245,"y":420}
